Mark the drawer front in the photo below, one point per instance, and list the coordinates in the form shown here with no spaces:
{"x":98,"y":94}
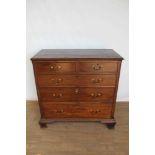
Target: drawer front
{"x":58,"y":94}
{"x":55,"y":67}
{"x":96,"y":94}
{"x":57,"y":80}
{"x":77,"y":94}
{"x":97,"y":80}
{"x":73,"y":80}
{"x":76,"y":111}
{"x":98,"y":67}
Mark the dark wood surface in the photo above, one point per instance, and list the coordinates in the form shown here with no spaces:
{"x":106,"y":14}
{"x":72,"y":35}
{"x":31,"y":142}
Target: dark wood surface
{"x":50,"y":67}
{"x":76,"y":67}
{"x":76,"y":94}
{"x":59,"y":54}
{"x":77,"y":84}
{"x":77,"y":80}
{"x":97,"y":67}
{"x":77,"y":111}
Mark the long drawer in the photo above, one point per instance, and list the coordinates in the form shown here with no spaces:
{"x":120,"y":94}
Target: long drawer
{"x":76,"y":111}
{"x":76,"y":94}
{"x":76,"y":80}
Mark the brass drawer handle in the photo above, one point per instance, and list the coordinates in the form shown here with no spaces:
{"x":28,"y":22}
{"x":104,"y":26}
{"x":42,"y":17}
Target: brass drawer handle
{"x":96,"y":94}
{"x":97,"y":67}
{"x":95,"y":111}
{"x":56,"y":67}
{"x":59,"y":111}
{"x":93,"y":80}
{"x":59,"y":67}
{"x":99,"y":94}
{"x":92,"y":94}
{"x":52,"y":67}
{"x":98,"y":110}
{"x":59,"y":81}
{"x":57,"y":96}
{"x":60,"y":94}
{"x":96,"y":80}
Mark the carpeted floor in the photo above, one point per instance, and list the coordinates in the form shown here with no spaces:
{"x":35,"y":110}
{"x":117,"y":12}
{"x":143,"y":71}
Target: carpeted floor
{"x":77,"y":138}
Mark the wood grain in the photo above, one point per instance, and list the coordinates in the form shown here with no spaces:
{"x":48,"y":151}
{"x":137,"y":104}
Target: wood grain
{"x":76,"y":80}
{"x":97,"y":67}
{"x":77,"y":110}
{"x":70,"y":138}
{"x":76,"y":94}
{"x":50,"y":67}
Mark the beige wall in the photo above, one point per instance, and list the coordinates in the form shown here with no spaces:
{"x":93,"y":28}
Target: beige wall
{"x":77,"y":24}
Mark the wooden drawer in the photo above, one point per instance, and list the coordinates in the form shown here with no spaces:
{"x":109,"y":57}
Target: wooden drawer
{"x":73,"y":80}
{"x":77,"y":94}
{"x":57,"y":80}
{"x":97,"y":80}
{"x":58,"y":94}
{"x":76,"y":111}
{"x":98,"y":67}
{"x":49,"y":67}
{"x":96,"y":94}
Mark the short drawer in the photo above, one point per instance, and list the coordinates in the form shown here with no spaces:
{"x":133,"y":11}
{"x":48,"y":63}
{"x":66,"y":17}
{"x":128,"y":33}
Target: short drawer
{"x":58,"y":94}
{"x":98,"y":67}
{"x":76,"y":111}
{"x":105,"y":94}
{"x":73,"y":80}
{"x":97,"y":80}
{"x":49,"y":67}
{"x":77,"y":94}
{"x":57,"y":80}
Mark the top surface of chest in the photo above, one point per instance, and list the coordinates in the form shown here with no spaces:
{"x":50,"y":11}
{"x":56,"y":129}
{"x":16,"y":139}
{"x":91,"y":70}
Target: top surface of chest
{"x":82,"y":54}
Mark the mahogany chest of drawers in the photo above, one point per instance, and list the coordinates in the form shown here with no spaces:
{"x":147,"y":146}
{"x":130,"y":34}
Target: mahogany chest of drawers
{"x":77,"y":84}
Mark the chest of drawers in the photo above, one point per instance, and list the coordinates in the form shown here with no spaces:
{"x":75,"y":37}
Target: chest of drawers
{"x":77,"y":85}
